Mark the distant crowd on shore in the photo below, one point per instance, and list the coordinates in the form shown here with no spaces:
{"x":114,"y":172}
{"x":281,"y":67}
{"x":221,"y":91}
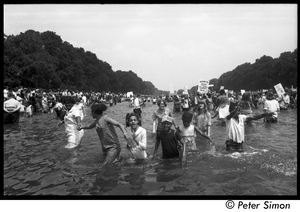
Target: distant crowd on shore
{"x":42,"y":100}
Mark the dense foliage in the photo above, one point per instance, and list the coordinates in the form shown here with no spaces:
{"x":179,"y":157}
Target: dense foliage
{"x":43,"y":60}
{"x":263,"y":74}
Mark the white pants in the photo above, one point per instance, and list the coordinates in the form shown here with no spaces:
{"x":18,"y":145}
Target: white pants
{"x":74,"y":136}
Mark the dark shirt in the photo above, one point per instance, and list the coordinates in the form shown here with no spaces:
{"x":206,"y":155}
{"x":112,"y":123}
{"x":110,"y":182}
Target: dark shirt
{"x":169,"y":143}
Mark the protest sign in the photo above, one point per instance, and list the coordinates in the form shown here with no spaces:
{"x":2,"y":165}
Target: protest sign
{"x":203,"y":86}
{"x":279,"y":89}
{"x":129,"y":94}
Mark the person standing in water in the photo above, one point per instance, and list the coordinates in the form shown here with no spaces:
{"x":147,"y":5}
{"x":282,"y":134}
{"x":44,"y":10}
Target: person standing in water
{"x":107,"y":134}
{"x":137,"y":102}
{"x":188,"y":133}
{"x":202,"y":117}
{"x":158,"y":114}
{"x":11,"y":109}
{"x":72,"y":120}
{"x":271,"y":105}
{"x":235,"y":128}
{"x":170,"y":140}
{"x":138,"y":138}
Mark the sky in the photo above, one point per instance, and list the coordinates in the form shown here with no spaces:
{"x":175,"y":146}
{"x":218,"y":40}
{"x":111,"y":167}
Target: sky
{"x":171,"y":45}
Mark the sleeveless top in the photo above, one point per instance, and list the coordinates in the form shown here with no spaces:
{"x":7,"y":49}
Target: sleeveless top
{"x":188,"y":134}
{"x":107,"y":134}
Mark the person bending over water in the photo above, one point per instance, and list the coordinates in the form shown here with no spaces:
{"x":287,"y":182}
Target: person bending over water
{"x":72,"y":120}
{"x":107,"y":134}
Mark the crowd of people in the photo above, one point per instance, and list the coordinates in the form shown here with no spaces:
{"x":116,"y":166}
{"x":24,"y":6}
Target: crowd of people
{"x":234,"y":110}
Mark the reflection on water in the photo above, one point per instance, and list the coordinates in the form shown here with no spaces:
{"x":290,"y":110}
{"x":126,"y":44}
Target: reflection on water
{"x":36,"y":162}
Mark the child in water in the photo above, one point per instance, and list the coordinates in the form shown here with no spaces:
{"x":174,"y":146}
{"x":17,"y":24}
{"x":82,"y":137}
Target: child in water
{"x":138,"y":138}
{"x":107,"y":134}
{"x":188,"y":133}
{"x":169,"y":138}
{"x":202,"y":117}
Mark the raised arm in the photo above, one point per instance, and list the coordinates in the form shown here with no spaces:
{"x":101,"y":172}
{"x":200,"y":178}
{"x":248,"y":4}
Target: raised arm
{"x":117,"y":124}
{"x":259,"y":116}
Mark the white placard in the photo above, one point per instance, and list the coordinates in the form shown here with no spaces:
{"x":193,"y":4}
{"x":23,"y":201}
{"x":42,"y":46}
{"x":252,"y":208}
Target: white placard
{"x":129,"y":94}
{"x":203,"y":86}
{"x":279,"y":89}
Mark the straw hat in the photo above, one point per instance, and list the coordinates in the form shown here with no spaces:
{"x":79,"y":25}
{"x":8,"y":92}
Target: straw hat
{"x":166,"y":118}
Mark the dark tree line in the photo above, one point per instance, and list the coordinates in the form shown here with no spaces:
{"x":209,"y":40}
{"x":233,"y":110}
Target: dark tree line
{"x":263,"y":74}
{"x":43,"y":60}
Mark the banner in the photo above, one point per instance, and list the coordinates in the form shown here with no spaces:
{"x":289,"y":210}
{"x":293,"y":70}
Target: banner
{"x":203,"y":86}
{"x":279,"y":89}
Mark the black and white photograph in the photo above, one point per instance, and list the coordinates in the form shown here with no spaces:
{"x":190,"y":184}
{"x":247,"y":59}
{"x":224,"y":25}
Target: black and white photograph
{"x":174,"y":101}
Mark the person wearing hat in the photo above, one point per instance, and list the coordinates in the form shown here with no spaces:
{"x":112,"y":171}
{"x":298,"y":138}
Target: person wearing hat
{"x":271,"y":105}
{"x":158,"y":114}
{"x":170,"y":140}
